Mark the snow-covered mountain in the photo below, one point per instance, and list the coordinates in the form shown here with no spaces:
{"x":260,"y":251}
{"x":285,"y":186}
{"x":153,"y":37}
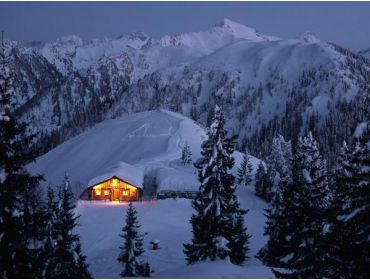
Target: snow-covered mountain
{"x":218,"y":36}
{"x":72,"y":53}
{"x":264,"y":84}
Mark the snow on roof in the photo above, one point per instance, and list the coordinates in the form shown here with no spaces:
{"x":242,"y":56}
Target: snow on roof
{"x":123,"y":171}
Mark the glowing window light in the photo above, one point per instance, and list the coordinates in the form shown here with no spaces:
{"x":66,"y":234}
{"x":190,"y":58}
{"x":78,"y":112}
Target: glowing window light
{"x":97,"y":192}
{"x":115,"y":182}
{"x":125,"y":193}
{"x":106,"y":192}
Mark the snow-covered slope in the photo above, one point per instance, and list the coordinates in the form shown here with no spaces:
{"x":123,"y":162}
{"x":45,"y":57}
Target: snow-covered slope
{"x":151,"y":141}
{"x":279,"y":84}
{"x":168,"y":222}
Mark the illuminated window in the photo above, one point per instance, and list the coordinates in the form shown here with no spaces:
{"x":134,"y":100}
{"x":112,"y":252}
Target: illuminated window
{"x":115,"y":183}
{"x":125,"y":193}
{"x":97,"y":192}
{"x":106,"y":192}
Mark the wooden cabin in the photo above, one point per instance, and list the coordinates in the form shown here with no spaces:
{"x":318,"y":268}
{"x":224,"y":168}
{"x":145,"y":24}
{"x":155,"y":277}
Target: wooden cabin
{"x":124,"y":183}
{"x":115,"y":189}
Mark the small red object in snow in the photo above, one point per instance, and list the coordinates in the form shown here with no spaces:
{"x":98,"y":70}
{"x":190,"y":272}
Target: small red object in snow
{"x":155,"y":244}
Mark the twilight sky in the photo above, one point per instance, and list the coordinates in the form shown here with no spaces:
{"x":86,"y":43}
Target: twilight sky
{"x":345,"y":23}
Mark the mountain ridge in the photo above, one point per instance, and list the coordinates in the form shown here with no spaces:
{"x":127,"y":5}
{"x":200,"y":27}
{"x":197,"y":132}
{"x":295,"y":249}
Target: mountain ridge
{"x":260,"y":84}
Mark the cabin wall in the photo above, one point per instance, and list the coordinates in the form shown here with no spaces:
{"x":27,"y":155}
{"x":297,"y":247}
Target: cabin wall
{"x":115,"y":190}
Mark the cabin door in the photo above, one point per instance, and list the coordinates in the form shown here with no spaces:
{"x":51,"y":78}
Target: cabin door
{"x":116,"y":194}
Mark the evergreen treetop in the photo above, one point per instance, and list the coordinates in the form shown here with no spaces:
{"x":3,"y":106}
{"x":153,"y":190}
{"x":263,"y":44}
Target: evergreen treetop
{"x":186,"y":154}
{"x":132,"y":247}
{"x":245,"y":171}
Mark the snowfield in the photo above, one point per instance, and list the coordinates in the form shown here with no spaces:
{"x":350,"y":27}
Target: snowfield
{"x":151,"y":141}
{"x":168,"y":222}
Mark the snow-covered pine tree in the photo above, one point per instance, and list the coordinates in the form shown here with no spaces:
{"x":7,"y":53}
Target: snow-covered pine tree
{"x":132,"y":247}
{"x":281,"y":156}
{"x":245,"y":171}
{"x":68,"y":258}
{"x":350,"y":230}
{"x":218,"y":230}
{"x":277,"y":221}
{"x":259,"y":186}
{"x":278,"y":167}
{"x":264,"y":182}
{"x":15,"y":248}
{"x":307,"y":213}
{"x":278,"y":225}
{"x":340,"y":268}
{"x":186,"y":154}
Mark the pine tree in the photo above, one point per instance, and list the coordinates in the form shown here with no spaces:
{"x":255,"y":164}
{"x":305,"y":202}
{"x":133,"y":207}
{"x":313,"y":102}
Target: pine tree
{"x":280,"y":198}
{"x":50,"y":235}
{"x":186,"y":155}
{"x":281,"y":156}
{"x":259,"y":180}
{"x":33,"y":228}
{"x":218,"y":230}
{"x":16,"y":184}
{"x":350,"y":227}
{"x":132,"y":247}
{"x":81,"y":267}
{"x":270,"y":182}
{"x":278,"y":168}
{"x":239,"y":243}
{"x":306,"y":209}
{"x":68,"y":259}
{"x":245,"y":171}
{"x":279,"y":224}
{"x":265,"y":184}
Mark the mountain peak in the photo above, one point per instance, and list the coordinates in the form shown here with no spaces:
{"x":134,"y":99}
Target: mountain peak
{"x":241,"y":31}
{"x":309,"y":37}
{"x":223,"y":33}
{"x":71,"y":40}
{"x":228,"y":23}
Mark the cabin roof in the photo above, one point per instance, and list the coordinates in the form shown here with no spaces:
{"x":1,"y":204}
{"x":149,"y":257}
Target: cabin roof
{"x":123,"y":171}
